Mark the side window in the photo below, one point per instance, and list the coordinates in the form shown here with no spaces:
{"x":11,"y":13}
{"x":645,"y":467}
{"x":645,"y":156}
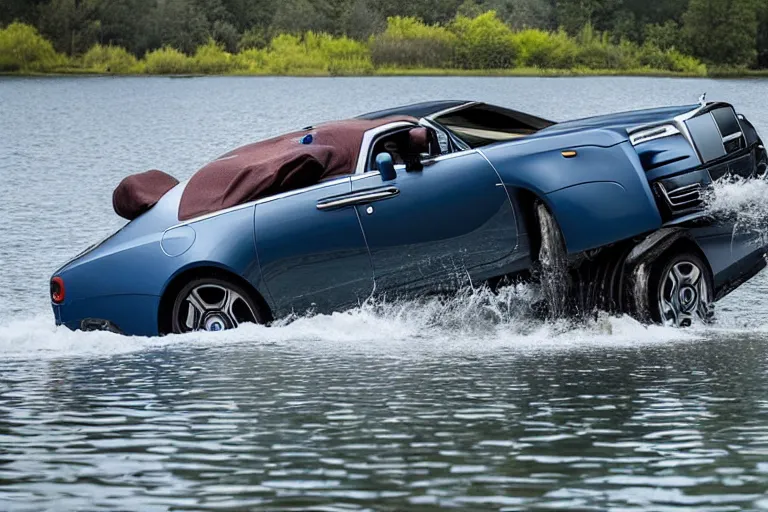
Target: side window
{"x":395,"y":143}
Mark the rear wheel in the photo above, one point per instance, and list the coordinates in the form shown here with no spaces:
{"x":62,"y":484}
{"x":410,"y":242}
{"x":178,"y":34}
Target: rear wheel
{"x":681,"y":290}
{"x":213,"y":304}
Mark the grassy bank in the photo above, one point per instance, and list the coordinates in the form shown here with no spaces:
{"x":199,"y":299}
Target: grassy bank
{"x":414,"y":72}
{"x":477,"y":46}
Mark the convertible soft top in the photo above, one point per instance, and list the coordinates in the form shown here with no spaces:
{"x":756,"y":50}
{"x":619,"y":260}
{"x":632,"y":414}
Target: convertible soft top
{"x":287,"y":162}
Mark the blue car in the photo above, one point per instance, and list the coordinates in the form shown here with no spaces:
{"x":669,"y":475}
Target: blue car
{"x":607,"y":213}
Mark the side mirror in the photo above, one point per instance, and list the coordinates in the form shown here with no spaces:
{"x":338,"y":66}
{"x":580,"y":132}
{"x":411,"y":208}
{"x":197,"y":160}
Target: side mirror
{"x":386,"y":166}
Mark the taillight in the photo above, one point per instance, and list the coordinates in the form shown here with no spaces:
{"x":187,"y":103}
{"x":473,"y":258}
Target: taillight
{"x":57,"y":290}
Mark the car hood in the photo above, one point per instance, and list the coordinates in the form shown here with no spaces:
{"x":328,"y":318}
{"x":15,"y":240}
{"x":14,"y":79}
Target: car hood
{"x":624,"y":121}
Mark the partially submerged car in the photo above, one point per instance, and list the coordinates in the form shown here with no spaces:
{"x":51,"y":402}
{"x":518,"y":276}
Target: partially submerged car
{"x":607,"y":212}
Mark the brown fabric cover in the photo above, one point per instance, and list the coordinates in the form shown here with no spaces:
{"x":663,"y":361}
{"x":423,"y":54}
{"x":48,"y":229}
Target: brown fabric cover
{"x":277,"y":165}
{"x":140,"y":192}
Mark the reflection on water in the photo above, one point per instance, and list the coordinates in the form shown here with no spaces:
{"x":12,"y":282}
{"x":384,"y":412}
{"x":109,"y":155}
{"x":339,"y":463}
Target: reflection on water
{"x":286,"y":425}
{"x":470,"y":403}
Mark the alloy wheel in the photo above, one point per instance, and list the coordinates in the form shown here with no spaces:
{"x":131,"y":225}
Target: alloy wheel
{"x":212,"y":307}
{"x":684,"y":294}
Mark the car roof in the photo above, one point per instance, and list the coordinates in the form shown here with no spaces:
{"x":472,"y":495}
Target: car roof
{"x":417,"y":110}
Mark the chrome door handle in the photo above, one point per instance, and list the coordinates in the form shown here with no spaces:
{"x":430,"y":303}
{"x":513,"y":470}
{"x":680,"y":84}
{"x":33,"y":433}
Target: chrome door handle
{"x":355,"y":198}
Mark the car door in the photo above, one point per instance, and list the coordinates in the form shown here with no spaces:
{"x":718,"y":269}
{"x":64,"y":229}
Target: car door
{"x":312,"y":258}
{"x":439,"y":228}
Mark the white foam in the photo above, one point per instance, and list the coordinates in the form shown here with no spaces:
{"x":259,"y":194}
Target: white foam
{"x":743,"y":201}
{"x":475,"y":321}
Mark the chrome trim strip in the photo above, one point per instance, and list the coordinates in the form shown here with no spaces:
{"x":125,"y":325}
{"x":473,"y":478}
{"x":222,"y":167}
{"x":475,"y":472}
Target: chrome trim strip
{"x":680,"y":122}
{"x":370,"y":174}
{"x":365,"y":196}
{"x":368,"y":137}
{"x":324,"y":184}
{"x":685,"y":188}
{"x":732,"y":136}
{"x":647,"y":135}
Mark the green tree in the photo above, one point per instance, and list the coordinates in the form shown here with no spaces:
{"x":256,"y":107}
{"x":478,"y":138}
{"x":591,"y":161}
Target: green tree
{"x":299,"y":16}
{"x":124,"y":22}
{"x":722,"y":31}
{"x":26,"y":11}
{"x":72,"y":25}
{"x":574,"y":15}
{"x":663,"y":36}
{"x":181,"y":24}
{"x":762,"y":35}
{"x":430,"y":11}
{"x":226,"y":34}
{"x":251,"y":14}
{"x":362,"y":20}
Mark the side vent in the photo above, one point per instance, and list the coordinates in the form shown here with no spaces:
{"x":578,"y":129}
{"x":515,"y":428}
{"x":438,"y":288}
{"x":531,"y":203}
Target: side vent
{"x":681,"y":198}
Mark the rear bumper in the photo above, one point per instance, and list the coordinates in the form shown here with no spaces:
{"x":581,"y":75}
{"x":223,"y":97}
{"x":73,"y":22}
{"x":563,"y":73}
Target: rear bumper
{"x":134,"y":315}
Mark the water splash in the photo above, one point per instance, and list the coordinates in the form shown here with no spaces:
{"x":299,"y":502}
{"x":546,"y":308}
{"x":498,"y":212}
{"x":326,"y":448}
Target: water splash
{"x":474,"y":321}
{"x":742,"y":201}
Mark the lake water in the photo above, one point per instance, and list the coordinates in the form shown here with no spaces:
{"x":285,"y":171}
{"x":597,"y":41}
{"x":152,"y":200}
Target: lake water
{"x":468,"y":403}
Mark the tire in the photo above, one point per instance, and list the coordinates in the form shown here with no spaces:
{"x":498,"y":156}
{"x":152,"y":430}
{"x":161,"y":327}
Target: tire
{"x":552,"y":263}
{"x":213,"y":304}
{"x":681,"y":290}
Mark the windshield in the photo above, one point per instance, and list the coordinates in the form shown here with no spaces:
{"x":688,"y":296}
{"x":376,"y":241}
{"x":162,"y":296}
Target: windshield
{"x":480,"y":124}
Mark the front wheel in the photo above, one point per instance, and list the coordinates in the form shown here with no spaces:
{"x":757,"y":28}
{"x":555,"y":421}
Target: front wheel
{"x":212,"y":304}
{"x":681,"y":290}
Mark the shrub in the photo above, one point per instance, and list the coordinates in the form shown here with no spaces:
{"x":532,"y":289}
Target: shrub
{"x":251,"y":61}
{"x":22,"y":48}
{"x":211,"y":58}
{"x":595,"y":51}
{"x":110,"y":59}
{"x":484,"y":42}
{"x":344,"y":56}
{"x":289,"y":55}
{"x":651,"y":56}
{"x":540,"y":49}
{"x":408,"y":42}
{"x":168,"y":61}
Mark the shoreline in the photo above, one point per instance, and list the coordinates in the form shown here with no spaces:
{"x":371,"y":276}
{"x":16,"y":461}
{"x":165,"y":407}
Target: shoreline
{"x":419,"y":72}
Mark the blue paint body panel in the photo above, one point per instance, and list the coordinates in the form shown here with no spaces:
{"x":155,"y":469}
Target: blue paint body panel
{"x":312,"y":259}
{"x":461,"y":219}
{"x":449,"y":225}
{"x":601,"y":196}
{"x":667,"y":156}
